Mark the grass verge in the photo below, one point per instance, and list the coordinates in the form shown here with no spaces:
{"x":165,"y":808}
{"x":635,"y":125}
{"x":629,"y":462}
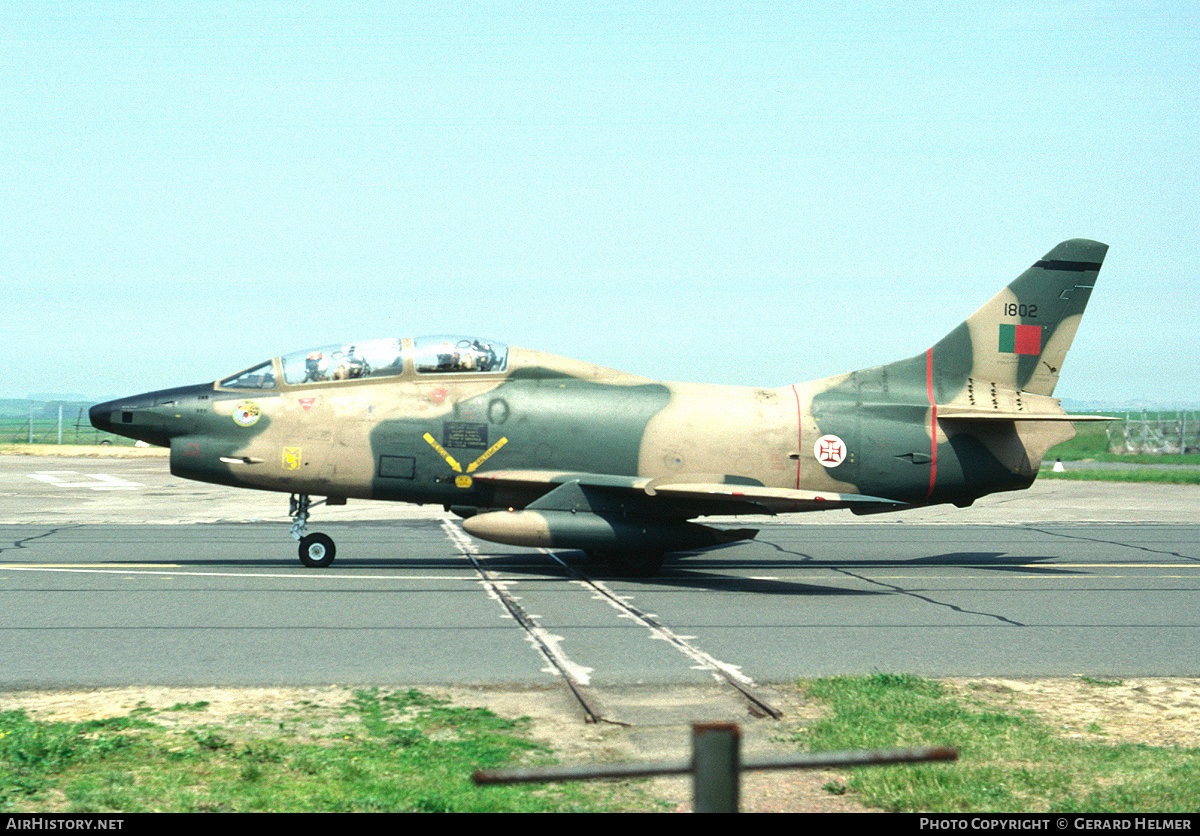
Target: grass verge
{"x":398,"y":751}
{"x":1166,"y":477}
{"x":1010,"y":761}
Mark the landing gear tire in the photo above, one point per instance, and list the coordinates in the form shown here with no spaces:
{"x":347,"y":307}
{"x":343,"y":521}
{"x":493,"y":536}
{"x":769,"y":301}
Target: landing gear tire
{"x":637,"y":564}
{"x":317,"y":550}
{"x":641,"y":564}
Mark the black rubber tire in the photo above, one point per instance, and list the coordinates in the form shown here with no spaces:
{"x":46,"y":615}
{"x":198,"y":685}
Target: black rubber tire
{"x":317,"y":551}
{"x":638,"y":564}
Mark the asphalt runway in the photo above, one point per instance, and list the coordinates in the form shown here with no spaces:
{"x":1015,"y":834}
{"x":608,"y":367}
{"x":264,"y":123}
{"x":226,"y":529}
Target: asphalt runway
{"x":105,"y":581}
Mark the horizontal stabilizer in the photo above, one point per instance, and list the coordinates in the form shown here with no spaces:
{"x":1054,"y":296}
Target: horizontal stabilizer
{"x":983,"y":400}
{"x":979,"y":414}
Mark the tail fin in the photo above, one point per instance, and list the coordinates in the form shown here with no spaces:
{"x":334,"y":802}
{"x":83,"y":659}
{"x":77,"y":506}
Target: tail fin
{"x":1019,"y":339}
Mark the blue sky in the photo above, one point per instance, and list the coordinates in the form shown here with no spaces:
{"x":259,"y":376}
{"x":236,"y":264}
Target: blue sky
{"x":744,"y":193}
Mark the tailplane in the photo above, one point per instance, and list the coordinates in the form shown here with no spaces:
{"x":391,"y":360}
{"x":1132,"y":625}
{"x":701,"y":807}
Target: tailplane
{"x":974,"y":414}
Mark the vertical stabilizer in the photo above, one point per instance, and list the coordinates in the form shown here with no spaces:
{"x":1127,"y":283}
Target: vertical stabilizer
{"x":1020,"y":338}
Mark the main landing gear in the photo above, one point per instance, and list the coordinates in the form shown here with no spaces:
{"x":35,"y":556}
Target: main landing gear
{"x":630,"y":564}
{"x":316,"y":550}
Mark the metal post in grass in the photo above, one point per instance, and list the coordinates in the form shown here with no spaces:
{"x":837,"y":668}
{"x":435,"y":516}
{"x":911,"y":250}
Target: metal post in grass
{"x":716,"y":766}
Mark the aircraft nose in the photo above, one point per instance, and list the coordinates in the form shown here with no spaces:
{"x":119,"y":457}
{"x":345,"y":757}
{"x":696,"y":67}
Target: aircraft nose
{"x":118,"y":416}
{"x":101,"y":415}
{"x":153,"y":417}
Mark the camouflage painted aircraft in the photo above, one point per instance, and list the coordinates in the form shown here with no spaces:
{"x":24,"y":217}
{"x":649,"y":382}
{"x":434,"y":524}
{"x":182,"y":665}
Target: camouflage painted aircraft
{"x":537,"y":450}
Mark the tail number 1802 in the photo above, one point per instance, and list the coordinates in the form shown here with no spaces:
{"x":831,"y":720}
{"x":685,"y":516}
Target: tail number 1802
{"x":1027,"y":311}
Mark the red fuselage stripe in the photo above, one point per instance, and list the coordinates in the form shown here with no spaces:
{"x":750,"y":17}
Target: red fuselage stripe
{"x":932,"y":421}
{"x":799,"y":435}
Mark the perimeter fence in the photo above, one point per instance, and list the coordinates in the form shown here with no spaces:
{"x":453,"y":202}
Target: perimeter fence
{"x":1155,"y":434}
{"x":50,"y":422}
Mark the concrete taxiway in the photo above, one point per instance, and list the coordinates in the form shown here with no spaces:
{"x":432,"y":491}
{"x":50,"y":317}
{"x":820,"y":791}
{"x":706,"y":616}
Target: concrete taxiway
{"x":113,"y":572}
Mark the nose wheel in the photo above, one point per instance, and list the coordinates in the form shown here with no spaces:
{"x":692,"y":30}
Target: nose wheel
{"x":316,"y":550}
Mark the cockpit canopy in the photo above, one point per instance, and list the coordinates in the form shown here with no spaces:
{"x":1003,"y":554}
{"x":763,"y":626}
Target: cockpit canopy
{"x":376,"y":358}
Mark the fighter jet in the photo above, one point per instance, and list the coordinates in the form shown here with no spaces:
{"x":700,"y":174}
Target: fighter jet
{"x":538,"y":450}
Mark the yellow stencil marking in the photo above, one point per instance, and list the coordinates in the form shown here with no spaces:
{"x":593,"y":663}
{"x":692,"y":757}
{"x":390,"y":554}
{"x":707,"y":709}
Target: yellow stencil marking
{"x":442,"y":452}
{"x":464,"y":481}
{"x":487,"y":455}
{"x":291,"y":458}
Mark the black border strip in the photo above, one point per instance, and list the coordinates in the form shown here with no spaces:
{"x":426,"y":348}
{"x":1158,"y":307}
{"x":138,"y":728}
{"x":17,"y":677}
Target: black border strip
{"x":1072,"y":266}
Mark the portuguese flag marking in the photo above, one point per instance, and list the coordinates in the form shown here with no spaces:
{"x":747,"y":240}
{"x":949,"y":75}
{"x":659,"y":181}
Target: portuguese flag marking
{"x":1020,"y":339}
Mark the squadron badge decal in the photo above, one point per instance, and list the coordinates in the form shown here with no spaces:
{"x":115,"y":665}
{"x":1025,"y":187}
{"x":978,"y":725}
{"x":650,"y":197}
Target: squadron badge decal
{"x":246,"y":414}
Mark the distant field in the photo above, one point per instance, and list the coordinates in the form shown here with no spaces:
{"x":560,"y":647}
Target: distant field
{"x":1091,"y":442}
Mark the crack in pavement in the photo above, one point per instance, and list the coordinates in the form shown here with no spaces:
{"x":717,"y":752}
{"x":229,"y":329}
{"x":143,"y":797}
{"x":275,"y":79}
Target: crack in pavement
{"x":894,"y":588}
{"x":20,"y":544}
{"x":1068,"y":536}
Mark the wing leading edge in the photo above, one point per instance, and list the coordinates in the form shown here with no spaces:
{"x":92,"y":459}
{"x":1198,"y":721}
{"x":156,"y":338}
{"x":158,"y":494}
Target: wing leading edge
{"x":680,"y":496}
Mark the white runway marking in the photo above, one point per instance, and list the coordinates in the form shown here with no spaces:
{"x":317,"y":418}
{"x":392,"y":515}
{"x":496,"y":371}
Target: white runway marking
{"x":119,"y":569}
{"x":544,"y":642}
{"x":98,"y":481}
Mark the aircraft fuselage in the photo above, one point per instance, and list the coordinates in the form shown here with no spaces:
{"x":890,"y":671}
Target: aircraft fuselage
{"x":607,"y":461}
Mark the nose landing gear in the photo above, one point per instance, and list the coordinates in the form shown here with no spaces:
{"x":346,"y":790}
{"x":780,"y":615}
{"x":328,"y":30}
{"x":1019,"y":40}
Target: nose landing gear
{"x":316,"y":550}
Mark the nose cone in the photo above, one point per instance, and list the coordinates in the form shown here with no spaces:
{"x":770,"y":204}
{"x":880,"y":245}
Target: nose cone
{"x":153,"y":417}
{"x":101,"y":416}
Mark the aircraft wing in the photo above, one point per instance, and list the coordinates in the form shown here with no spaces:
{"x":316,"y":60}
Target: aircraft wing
{"x":680,"y":496}
{"x":637,"y":518}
